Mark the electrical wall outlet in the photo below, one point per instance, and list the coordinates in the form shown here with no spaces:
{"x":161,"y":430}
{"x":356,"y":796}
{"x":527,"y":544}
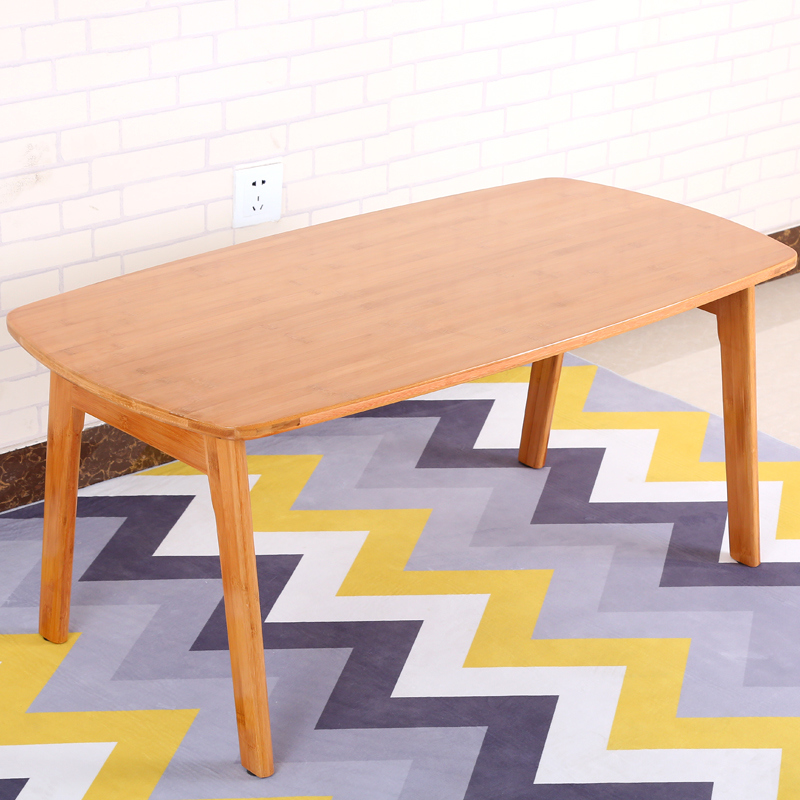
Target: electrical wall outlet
{"x":257,"y":193}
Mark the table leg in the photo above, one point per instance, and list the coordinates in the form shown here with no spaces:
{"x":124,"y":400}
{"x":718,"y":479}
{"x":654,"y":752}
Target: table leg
{"x":230,"y":494}
{"x":64,"y":427}
{"x":736,"y":328}
{"x":539,"y":410}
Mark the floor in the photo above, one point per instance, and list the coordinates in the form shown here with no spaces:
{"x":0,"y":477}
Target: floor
{"x":680,"y":356}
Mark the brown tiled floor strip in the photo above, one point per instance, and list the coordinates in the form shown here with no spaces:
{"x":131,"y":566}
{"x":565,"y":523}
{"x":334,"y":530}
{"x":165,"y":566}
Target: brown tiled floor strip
{"x":791,"y":237}
{"x":105,"y":453}
{"x":109,"y":453}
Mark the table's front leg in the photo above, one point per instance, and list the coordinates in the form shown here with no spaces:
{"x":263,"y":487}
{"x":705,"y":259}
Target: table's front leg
{"x":230,"y":494}
{"x":64,"y":427}
{"x":737,"y":337}
{"x":539,"y":410}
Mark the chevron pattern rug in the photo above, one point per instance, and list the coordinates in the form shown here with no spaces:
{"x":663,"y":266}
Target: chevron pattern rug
{"x":441,"y":623}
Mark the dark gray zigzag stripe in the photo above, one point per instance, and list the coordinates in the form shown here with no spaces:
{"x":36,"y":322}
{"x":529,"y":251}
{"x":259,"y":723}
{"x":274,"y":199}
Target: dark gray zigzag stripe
{"x":452,"y":444}
{"x":128,"y":555}
{"x":522,"y":722}
{"x":692,"y":557}
{"x":11,"y":787}
{"x":406,"y":763}
{"x":622,"y":791}
{"x":733,"y":659}
{"x":516,"y":727}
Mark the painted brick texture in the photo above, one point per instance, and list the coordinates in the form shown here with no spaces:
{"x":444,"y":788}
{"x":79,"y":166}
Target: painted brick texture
{"x":121,"y":121}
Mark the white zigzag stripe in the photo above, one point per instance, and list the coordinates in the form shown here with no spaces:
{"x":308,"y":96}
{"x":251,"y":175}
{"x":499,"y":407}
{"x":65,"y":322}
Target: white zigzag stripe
{"x":54,"y":771}
{"x":622,"y":477}
{"x":195,"y":533}
{"x":628,"y":452}
{"x":576,"y":750}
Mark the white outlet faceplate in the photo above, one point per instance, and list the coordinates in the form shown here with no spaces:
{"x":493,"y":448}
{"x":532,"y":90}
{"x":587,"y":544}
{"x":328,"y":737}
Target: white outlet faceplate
{"x":257,"y":193}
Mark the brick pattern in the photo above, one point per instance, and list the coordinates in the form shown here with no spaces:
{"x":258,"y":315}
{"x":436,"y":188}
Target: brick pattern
{"x":121,"y":121}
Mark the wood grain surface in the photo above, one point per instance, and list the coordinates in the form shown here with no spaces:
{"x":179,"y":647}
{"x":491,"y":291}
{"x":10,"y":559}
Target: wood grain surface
{"x":65,"y":423}
{"x":313,"y":324}
{"x":539,"y":408}
{"x":230,"y":496}
{"x":736,"y":326}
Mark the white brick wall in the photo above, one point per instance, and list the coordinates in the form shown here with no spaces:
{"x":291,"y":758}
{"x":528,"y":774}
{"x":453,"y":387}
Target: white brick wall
{"x":121,"y":121}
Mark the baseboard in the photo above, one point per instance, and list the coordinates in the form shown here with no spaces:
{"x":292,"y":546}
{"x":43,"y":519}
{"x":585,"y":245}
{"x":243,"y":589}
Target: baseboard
{"x":791,"y":237}
{"x":105,"y":453}
{"x":108,"y":453}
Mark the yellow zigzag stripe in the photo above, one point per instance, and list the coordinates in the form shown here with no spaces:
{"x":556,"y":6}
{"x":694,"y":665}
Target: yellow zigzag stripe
{"x":146,"y":740}
{"x":646,"y":714}
{"x":679,"y":444}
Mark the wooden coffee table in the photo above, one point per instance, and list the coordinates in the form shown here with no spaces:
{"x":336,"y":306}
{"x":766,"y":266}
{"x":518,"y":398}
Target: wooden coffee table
{"x":197,"y":356}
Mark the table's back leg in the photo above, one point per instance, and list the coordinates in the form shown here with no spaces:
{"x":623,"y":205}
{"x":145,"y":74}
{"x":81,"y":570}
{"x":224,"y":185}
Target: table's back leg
{"x":539,"y":410}
{"x":230,"y":494}
{"x":736,"y":327}
{"x":64,"y":427}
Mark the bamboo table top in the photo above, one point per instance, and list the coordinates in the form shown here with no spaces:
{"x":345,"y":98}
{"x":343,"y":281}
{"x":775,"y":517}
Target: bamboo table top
{"x":320,"y":322}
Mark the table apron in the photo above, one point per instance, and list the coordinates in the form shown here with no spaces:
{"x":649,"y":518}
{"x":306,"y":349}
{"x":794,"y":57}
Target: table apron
{"x":185,"y":445}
